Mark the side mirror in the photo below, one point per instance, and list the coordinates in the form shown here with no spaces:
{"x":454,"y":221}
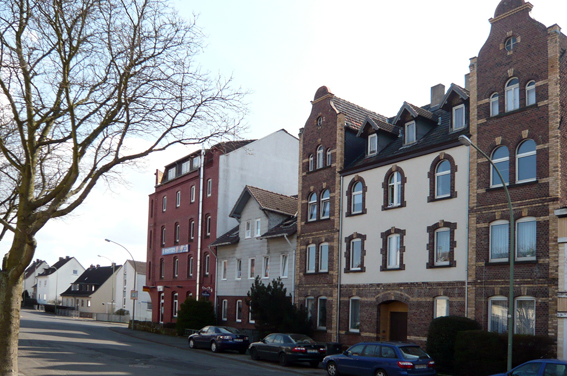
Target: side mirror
{"x":263,"y":340}
{"x":346,"y":353}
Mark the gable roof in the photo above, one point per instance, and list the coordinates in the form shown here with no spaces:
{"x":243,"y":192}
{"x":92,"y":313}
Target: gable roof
{"x":415,"y":111}
{"x":140,"y":266}
{"x":267,"y":200}
{"x":52,"y":269}
{"x":231,"y":237}
{"x":354,"y":114}
{"x":286,"y":228}
{"x":94,"y":276}
{"x":454,"y":90}
{"x":377,"y":125}
{"x":33,"y":267}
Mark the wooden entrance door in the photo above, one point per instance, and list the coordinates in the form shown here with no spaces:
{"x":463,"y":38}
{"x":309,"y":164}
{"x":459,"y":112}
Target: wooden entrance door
{"x":398,"y":326}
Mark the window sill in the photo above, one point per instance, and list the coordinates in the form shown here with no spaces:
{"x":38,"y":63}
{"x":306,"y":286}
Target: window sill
{"x":402,"y":267}
{"x":355,"y":214}
{"x":434,"y":199}
{"x":516,"y":262}
{"x":318,"y":169}
{"x":511,"y":186}
{"x":393,"y":207}
{"x":452,"y":264}
{"x":515,"y":111}
{"x":362,"y":270}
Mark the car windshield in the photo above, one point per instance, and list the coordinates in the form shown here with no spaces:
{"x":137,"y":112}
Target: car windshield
{"x":413,"y":352}
{"x":302,"y":339}
{"x":228,"y":330}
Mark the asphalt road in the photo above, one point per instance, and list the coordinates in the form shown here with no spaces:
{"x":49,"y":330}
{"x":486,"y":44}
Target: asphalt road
{"x":51,"y":345}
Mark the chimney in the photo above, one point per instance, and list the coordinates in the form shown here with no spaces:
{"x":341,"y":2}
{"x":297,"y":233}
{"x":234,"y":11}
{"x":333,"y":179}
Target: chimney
{"x":67,"y":258}
{"x":467,"y":81}
{"x":61,"y":259}
{"x":437,"y":93}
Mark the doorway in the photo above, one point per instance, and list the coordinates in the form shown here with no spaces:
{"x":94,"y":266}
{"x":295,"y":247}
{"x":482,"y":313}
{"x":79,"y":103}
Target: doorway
{"x":393,"y":325}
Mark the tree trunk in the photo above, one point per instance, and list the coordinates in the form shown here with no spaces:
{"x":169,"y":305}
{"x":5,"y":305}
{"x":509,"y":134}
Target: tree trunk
{"x":10,"y":298}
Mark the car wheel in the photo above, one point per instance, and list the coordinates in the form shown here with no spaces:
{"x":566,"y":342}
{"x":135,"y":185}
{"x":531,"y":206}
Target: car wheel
{"x":314,"y":363}
{"x":380,"y":372}
{"x":214,"y":347}
{"x":191,"y":344}
{"x":284,"y":361}
{"x":254,"y":354}
{"x":332,"y":369}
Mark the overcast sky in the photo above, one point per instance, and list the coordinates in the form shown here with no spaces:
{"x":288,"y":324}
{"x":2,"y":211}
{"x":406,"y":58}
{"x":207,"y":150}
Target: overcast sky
{"x":374,"y":53}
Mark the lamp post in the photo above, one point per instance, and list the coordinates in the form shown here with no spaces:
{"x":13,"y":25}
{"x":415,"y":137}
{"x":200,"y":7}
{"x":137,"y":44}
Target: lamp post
{"x":113,"y":279}
{"x":511,"y":250}
{"x":135,"y":277}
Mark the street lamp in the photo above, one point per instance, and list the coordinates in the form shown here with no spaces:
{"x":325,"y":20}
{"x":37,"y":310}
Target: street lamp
{"x":511,"y":250}
{"x":113,"y":266}
{"x":135,"y":277}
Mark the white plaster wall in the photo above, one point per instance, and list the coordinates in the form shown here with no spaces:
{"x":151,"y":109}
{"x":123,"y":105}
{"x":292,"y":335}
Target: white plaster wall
{"x":415,"y":217}
{"x":63,"y":277}
{"x":31,"y":280}
{"x":141,"y":313}
{"x":269,"y":163}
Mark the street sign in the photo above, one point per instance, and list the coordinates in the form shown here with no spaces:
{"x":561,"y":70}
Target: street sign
{"x":134,"y":295}
{"x":206,"y":293}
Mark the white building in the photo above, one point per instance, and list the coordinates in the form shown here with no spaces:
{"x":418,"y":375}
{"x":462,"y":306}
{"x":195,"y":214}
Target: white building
{"x":53,"y":281}
{"x":124,"y":285}
{"x":30,"y":277}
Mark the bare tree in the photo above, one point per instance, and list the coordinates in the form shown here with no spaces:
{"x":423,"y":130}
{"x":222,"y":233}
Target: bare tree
{"x":85,"y":86}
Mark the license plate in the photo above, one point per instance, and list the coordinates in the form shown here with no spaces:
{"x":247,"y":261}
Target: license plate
{"x":420,"y":366}
{"x":237,"y":340}
{"x":312,"y":351}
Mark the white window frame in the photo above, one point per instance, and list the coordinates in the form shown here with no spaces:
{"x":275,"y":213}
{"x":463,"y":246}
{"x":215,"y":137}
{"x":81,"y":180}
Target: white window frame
{"x":494,"y":105}
{"x":323,"y":268}
{"x":493,"y":173}
{"x":250,"y":319}
{"x":196,"y":162}
{"x":372,"y":144}
{"x":438,"y":175}
{"x":516,"y":312}
{"x":490,"y":302}
{"x":177,"y":231}
{"x":238,"y":313}
{"x":192,"y":229}
{"x":258,"y":223}
{"x":410,"y":129}
{"x":394,"y":189}
{"x":251,"y":268}
{"x":456,"y":117}
{"x":175,"y":267}
{"x":513,"y":90}
{"x":248,"y":229}
{"x":207,"y":264}
{"x":311,"y":251}
{"x":352,"y":254}
{"x":354,"y":196}
{"x":175,"y":304}
{"x":163,"y":235}
{"x":224,"y":310}
{"x":191,"y":266}
{"x":525,"y":155}
{"x":325,"y":201}
{"x":393,"y":240}
{"x":185,"y":166}
{"x":192,"y":193}
{"x":224,"y":269}
{"x":177,"y":199}
{"x":437,"y":306}
{"x":436,"y":240}
{"x":171,"y":173}
{"x":208,"y":225}
{"x":531,"y":90}
{"x":517,"y":234}
{"x":320,"y":160}
{"x":351,"y":328}
{"x":319,"y":326}
{"x":312,"y":207}
{"x":329,"y":157}
{"x":283,"y":265}
{"x":238,"y":273}
{"x":266,"y":267}
{"x":209,"y":187}
{"x":498,"y":223}
{"x":164,"y":203}
{"x":310,"y":162}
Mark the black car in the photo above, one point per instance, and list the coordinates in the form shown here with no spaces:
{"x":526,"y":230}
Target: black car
{"x":288,"y":348}
{"x":219,"y":338}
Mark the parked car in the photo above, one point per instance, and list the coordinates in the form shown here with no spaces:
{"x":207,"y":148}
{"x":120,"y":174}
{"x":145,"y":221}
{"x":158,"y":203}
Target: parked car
{"x":539,"y":367}
{"x":381,"y":359}
{"x":288,"y":348}
{"x":219,"y":338}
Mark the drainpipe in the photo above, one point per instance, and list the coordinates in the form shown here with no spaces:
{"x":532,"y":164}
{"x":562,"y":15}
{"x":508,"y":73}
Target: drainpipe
{"x":467,"y":234}
{"x":293,"y":262}
{"x":338,"y":309}
{"x":200,"y":219}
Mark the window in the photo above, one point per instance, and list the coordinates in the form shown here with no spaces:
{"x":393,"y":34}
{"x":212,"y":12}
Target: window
{"x":171,"y":173}
{"x":177,"y":232}
{"x":357,"y":198}
{"x":310,"y":162}
{"x":266,"y":267}
{"x":312,"y":207}
{"x":324,"y":257}
{"x":494,"y":109}
{"x":248,"y":229}
{"x":250,"y":316}
{"x":498,"y":314}
{"x":372,"y":144}
{"x":320,"y":160}
{"x":501,"y":158}
{"x":394,"y":189}
{"x":325,"y":204}
{"x":322,"y":313}
{"x":283,"y":266}
{"x":191,"y":229}
{"x":177,"y":199}
{"x":251,"y":268}
{"x":524,"y":320}
{"x":258,"y":228}
{"x":88,"y":303}
{"x":354,"y":315}
{"x":164,"y":203}
{"x":356,"y":254}
{"x":530,"y":93}
{"x":209,"y":187}
{"x":196,"y":162}
{"x":510,"y":43}
{"x":512,"y":95}
{"x":175,"y":304}
{"x":319,"y":121}
{"x":394,"y":251}
{"x":311,"y":258}
{"x":310,"y":306}
{"x":443,"y":179}
{"x":239,"y":311}
{"x":499,"y":240}
{"x":208,"y":225}
{"x":185,"y":167}
{"x":224,"y":310}
{"x":161,"y":269}
{"x":410,"y":132}
{"x":238,"y":269}
{"x":224,"y":268}
{"x":190,"y":267}
{"x":207,"y":264}
{"x":163,"y":235}
{"x":329,"y":157}
{"x":526,"y":231}
{"x":175,"y":267}
{"x":526,"y":162}
{"x":441,"y":307}
{"x":192,"y":193}
{"x":459,"y":117}
{"x":442,"y":246}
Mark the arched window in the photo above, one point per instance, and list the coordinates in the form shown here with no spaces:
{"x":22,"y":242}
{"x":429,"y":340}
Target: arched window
{"x":356,"y":198}
{"x":512,"y":95}
{"x":524,"y":320}
{"x":443,"y":179}
{"x":442,"y":246}
{"x":208,"y":225}
{"x":191,"y":230}
{"x":310,"y":258}
{"x":395,"y":189}
{"x":325,"y":204}
{"x":207,"y":264}
{"x":163,"y":235}
{"x":499,"y":240}
{"x":161,"y":268}
{"x":175,"y":267}
{"x":329,"y":157}
{"x":526,"y":161}
{"x":526,"y":235}
{"x":530,"y":93}
{"x":393,"y":250}
{"x":177,"y":231}
{"x":310,"y":162}
{"x":320,"y":160}
{"x":175,"y":304}
{"x":498,"y":314}
{"x":312,"y":207}
{"x":494,"y":109}
{"x":501,"y":158}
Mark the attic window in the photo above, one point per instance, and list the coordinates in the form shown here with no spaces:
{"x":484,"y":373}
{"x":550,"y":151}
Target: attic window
{"x":458,"y":117}
{"x":319,"y":121}
{"x":510,"y":43}
{"x":410,"y":133}
{"x":372,"y":144}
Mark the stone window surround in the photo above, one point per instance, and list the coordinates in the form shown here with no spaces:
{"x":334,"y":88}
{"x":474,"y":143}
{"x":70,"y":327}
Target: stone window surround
{"x":348,"y":241}
{"x":394,"y":168}
{"x":431,"y":244}
{"x":384,"y":250}
{"x":317,"y":245}
{"x":355,"y":180}
{"x":433,"y":180}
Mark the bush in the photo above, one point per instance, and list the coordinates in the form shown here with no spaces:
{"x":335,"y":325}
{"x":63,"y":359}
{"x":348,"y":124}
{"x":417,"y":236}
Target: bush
{"x":122,"y":312}
{"x":441,"y":338}
{"x":194,"y":314}
{"x":483,"y":353}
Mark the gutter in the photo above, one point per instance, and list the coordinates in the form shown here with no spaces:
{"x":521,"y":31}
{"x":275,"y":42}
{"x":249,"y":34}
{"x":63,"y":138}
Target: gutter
{"x":339,"y":260}
{"x":200,"y":229}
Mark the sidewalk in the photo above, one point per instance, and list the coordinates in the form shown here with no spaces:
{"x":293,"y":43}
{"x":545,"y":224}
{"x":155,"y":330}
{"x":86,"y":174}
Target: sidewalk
{"x":178,"y":342}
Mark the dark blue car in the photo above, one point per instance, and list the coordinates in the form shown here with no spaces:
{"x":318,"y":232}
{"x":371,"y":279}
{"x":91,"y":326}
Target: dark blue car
{"x":381,"y":359}
{"x":539,"y":367}
{"x":219,"y":338}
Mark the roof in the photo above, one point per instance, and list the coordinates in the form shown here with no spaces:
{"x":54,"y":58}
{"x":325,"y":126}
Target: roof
{"x":271,"y":201}
{"x":354,"y":114}
{"x":415,"y":112}
{"x":231,"y":237}
{"x":94,"y":276}
{"x":377,"y":125}
{"x":286,"y":228}
{"x":228,"y":146}
{"x":140,"y":266}
{"x":33,"y":267}
{"x":454,"y":90}
{"x":52,"y":269}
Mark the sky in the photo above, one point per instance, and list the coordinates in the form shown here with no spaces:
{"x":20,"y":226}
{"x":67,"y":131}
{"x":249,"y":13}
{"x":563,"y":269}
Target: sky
{"x":374,"y":53}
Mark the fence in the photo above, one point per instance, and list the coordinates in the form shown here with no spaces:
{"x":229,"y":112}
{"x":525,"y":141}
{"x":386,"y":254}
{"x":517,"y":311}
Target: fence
{"x":111,"y":318}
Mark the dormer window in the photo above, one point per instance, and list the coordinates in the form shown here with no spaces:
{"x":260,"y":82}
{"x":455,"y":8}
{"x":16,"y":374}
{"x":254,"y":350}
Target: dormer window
{"x":458,"y":117}
{"x":410,"y":132}
{"x":372,"y":144}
